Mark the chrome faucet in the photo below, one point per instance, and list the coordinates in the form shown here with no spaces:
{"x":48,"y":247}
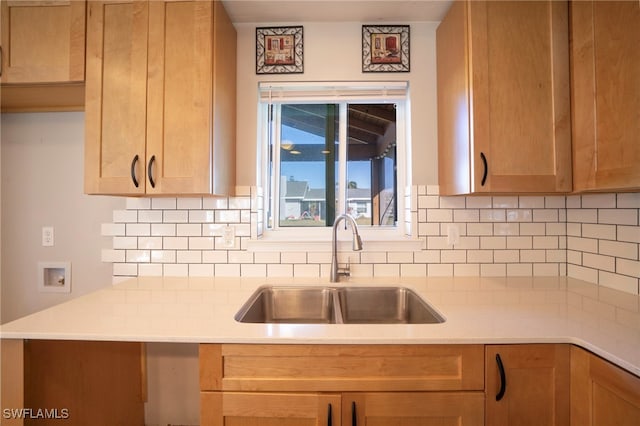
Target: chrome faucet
{"x":357,"y":246}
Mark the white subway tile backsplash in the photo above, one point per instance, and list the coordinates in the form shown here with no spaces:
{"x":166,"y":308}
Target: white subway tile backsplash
{"x":150,"y":243}
{"x":531,"y":202}
{"x":125,"y":243}
{"x":201,"y":216}
{"x":175,"y":270}
{"x":479,"y":202}
{"x":163,"y":256}
{"x":201,"y":270}
{"x":628,"y":267}
{"x":175,"y":216}
{"x":125,"y":216}
{"x":628,"y":200}
{"x":595,"y":237}
{"x":150,"y":216}
{"x":175,"y":243}
{"x":605,"y":232}
{"x":192,"y":203}
{"x":188,"y":230}
{"x":278,"y":270}
{"x":502,"y":202}
{"x":452,"y":202}
{"x":163,"y":203}
{"x":598,"y":201}
{"x":618,"y":249}
{"x":138,"y":203}
{"x":163,"y":230}
{"x":188,"y":256}
{"x":227,"y":270}
{"x":618,"y":216}
{"x":598,"y":261}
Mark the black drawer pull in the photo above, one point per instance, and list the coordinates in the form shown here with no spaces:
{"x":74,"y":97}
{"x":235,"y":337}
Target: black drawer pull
{"x":503,"y":378}
{"x":486,"y":169}
{"x":133,"y":171}
{"x":150,"y":170}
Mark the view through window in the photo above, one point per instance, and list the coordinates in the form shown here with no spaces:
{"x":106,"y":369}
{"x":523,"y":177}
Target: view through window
{"x":329,"y":158}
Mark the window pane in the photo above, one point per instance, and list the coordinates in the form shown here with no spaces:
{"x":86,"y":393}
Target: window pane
{"x":308,"y":155}
{"x":371,"y":164}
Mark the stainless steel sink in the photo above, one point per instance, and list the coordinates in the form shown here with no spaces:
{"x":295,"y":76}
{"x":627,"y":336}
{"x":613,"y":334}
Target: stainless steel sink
{"x":337,"y":305}
{"x":385,"y":305}
{"x":302,"y":305}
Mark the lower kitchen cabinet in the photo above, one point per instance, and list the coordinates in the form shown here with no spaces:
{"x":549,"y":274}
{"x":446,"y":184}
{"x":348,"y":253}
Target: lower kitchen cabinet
{"x":365,"y":385}
{"x":269,"y":409}
{"x":413,"y":409}
{"x":347,"y":409}
{"x":84,"y":382}
{"x":601,"y":393}
{"x":527,"y":385}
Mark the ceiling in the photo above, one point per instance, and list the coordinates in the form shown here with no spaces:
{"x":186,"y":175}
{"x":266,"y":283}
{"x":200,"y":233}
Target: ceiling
{"x":371,"y":11}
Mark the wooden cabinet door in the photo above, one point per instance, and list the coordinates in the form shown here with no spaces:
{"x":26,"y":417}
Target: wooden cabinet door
{"x":535,"y":386}
{"x":601,"y":393}
{"x":186,"y":41}
{"x":269,"y":409}
{"x":43,"y":41}
{"x":413,"y":409}
{"x":98,"y":383}
{"x":606,"y":94}
{"x":503,"y":98}
{"x":116,"y":92}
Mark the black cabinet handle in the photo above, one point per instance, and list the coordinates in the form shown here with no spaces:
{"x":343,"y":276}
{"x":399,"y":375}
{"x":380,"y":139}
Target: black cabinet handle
{"x":1,"y":61}
{"x":329,"y":420}
{"x":486,"y":169}
{"x":133,"y":171}
{"x":503,"y":379}
{"x":354,"y":416}
{"x":150,"y":170}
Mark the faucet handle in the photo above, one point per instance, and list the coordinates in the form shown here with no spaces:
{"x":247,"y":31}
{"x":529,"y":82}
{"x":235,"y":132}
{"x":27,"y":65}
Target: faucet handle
{"x":346,"y":271}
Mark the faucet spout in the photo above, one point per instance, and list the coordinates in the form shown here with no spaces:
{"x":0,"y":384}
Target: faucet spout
{"x":357,"y":245}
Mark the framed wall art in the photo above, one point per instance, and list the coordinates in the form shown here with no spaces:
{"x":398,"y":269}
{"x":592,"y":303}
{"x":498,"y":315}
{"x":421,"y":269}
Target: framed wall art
{"x":279,"y":50}
{"x":385,"y":48}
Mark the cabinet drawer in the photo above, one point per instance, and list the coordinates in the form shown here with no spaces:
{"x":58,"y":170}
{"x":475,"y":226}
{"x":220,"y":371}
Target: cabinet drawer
{"x":341,"y":367}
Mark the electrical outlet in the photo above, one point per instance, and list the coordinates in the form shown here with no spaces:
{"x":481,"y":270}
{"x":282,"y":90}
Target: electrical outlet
{"x":453,"y":235}
{"x":47,"y":236}
{"x":228,"y":236}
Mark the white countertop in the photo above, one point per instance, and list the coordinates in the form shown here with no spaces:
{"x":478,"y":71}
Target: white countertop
{"x":477,"y":310}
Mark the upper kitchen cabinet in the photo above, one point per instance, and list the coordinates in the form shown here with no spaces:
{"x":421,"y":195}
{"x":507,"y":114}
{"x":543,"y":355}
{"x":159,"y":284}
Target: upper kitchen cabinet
{"x":503,"y":98}
{"x":606,"y":95}
{"x":43,"y":47}
{"x":160,"y":98}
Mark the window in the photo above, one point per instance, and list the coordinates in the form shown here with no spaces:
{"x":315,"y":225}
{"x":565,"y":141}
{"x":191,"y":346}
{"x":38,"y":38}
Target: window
{"x":334,"y":149}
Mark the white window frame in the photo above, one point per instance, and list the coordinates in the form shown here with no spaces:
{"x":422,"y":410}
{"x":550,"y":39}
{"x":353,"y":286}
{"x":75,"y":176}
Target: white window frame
{"x":341,"y":93}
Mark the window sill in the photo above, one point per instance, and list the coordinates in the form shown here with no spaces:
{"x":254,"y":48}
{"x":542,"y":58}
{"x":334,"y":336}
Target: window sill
{"x":316,"y":243}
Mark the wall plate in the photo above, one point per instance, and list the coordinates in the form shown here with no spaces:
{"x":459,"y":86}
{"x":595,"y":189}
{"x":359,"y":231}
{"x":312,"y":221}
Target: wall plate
{"x":54,"y":277}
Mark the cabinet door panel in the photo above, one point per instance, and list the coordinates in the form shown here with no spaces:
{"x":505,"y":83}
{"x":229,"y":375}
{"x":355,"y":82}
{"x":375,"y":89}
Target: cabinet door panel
{"x":606,"y":69}
{"x":414,"y":409}
{"x":43,"y":41}
{"x":115,"y":120}
{"x":180,"y":96}
{"x":537,"y":385}
{"x":268,"y":409}
{"x":602,"y":394}
{"x":520,"y":87}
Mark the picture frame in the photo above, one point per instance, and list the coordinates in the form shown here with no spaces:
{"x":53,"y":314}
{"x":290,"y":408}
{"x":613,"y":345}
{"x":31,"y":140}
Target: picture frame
{"x":385,"y":48}
{"x":279,"y":50}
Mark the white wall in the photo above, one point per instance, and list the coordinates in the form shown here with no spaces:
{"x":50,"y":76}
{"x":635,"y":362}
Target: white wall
{"x":42,"y":185}
{"x":332,"y":53}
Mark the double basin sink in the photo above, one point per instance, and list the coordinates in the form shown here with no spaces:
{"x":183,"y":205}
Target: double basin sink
{"x":337,"y":305}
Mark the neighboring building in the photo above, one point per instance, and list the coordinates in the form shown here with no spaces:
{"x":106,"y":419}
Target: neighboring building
{"x":301,"y":202}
